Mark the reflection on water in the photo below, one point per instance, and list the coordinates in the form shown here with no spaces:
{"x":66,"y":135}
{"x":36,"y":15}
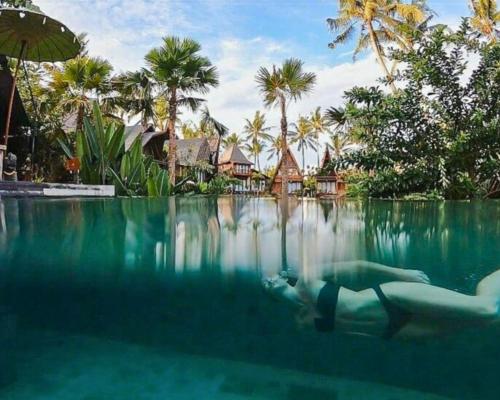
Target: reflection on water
{"x":451,"y":241}
{"x":185,"y":272}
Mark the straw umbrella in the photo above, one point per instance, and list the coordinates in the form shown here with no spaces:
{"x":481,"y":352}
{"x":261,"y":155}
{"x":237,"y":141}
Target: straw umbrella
{"x":31,"y":36}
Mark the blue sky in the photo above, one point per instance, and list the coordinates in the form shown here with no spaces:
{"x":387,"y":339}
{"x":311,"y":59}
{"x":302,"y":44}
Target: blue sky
{"x":238,"y":36}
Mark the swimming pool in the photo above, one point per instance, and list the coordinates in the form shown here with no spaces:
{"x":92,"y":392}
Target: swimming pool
{"x":146,"y":299}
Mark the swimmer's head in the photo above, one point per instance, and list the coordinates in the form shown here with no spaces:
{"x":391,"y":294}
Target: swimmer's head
{"x":282,"y":287}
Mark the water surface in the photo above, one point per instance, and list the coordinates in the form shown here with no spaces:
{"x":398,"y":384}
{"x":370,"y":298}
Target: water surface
{"x":181,"y":278}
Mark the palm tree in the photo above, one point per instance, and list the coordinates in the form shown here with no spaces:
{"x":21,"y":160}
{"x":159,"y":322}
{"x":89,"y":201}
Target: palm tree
{"x":78,"y":82}
{"x":255,"y":149}
{"x":180,"y":71}
{"x":208,"y":122}
{"x":275,"y":149}
{"x":233,"y":138}
{"x":319,"y":125}
{"x":338,"y":143}
{"x":377,"y":21}
{"x":485,"y":18}
{"x":136,"y":95}
{"x":279,"y":86}
{"x":303,"y":135}
{"x":256,"y":130}
{"x":337,"y":119}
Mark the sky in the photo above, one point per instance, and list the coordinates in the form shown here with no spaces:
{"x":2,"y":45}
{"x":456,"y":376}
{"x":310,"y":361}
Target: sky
{"x":238,"y":36}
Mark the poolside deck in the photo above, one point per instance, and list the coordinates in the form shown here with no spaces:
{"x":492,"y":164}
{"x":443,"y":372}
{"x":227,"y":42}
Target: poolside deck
{"x":30,"y":189}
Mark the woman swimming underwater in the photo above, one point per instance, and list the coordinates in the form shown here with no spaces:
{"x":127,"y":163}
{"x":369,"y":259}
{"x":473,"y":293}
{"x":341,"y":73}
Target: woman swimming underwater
{"x":401,"y":304}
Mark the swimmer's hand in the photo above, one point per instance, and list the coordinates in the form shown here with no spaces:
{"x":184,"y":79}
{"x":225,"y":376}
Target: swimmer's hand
{"x":414,"y":275}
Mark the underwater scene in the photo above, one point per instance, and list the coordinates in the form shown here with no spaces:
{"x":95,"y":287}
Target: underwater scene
{"x":163,"y":298}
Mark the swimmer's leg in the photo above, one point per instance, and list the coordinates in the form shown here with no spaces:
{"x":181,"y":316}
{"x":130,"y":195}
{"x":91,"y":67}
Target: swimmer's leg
{"x":490,"y":286}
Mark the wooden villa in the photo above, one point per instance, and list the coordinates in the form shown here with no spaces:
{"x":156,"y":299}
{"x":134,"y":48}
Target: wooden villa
{"x":192,"y":155}
{"x":328,"y":182}
{"x":234,"y":163}
{"x":295,"y":177}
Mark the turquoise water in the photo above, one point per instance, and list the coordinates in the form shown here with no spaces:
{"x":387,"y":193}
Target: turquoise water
{"x":138,"y":298}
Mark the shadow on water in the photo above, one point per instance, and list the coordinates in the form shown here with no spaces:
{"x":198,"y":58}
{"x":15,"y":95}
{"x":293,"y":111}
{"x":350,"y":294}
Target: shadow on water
{"x":185,"y":273}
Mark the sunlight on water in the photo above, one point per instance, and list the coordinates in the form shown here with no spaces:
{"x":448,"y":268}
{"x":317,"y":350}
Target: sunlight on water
{"x":180,"y":278}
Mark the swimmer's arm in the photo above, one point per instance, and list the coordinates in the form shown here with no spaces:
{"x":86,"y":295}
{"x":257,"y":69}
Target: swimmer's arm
{"x":360,"y":272}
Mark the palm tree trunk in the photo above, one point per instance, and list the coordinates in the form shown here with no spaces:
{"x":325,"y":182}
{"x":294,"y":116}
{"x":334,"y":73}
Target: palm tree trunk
{"x":303,"y":161}
{"x":317,"y":150}
{"x":217,"y":155}
{"x":378,"y":53}
{"x":172,"y":148}
{"x":284,"y":149}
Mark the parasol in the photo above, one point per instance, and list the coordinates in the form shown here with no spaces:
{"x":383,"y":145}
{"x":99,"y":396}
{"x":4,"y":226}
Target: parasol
{"x":32,"y":36}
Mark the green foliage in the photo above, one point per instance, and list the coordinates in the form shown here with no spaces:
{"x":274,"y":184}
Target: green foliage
{"x":357,"y":184}
{"x":99,"y":148}
{"x":442,"y":131}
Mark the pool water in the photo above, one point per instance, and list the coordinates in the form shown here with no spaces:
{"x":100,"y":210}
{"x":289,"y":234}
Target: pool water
{"x":154,"y":299}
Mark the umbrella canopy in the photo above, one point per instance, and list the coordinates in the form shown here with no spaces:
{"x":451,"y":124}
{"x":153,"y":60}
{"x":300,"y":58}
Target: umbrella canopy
{"x":44,"y":38}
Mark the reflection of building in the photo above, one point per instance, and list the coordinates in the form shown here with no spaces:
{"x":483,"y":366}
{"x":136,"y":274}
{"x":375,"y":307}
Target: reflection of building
{"x":295,"y":177}
{"x":328,"y":181}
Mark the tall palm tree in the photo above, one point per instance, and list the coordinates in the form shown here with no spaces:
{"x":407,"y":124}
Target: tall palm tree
{"x":280,"y":86}
{"x":78,"y":82}
{"x":485,"y":18}
{"x":208,"y":122}
{"x":233,"y":138}
{"x":275,"y":147}
{"x":303,"y":135}
{"x":377,"y":21}
{"x":319,"y":125}
{"x":256,"y":130}
{"x":255,"y":149}
{"x":180,"y":71}
{"x":136,"y":94}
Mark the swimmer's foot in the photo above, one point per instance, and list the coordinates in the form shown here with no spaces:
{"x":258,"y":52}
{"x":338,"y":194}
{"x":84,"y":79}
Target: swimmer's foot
{"x":414,"y":275}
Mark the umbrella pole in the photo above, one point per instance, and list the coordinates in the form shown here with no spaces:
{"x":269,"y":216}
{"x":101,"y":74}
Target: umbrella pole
{"x":3,"y":149}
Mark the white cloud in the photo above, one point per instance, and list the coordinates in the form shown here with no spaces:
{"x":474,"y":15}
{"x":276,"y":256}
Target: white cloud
{"x":124,"y":30}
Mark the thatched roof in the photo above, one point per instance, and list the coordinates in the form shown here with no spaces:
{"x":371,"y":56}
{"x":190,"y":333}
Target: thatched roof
{"x":191,"y":151}
{"x":132,"y":132}
{"x":233,"y":154}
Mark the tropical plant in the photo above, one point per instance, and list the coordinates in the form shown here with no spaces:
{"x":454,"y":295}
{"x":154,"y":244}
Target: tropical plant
{"x":208,"y":122}
{"x":256,"y":131}
{"x":280,"y":86}
{"x":440,"y":133}
{"x":135,"y":95}
{"x":485,"y":18}
{"x":233,"y":138}
{"x":376,"y":22}
{"x":275,"y":148}
{"x":80,"y":81}
{"x":320,"y":125}
{"x":99,"y":148}
{"x":303,"y":135}
{"x":255,"y":149}
{"x":338,"y":143}
{"x":180,"y":70}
